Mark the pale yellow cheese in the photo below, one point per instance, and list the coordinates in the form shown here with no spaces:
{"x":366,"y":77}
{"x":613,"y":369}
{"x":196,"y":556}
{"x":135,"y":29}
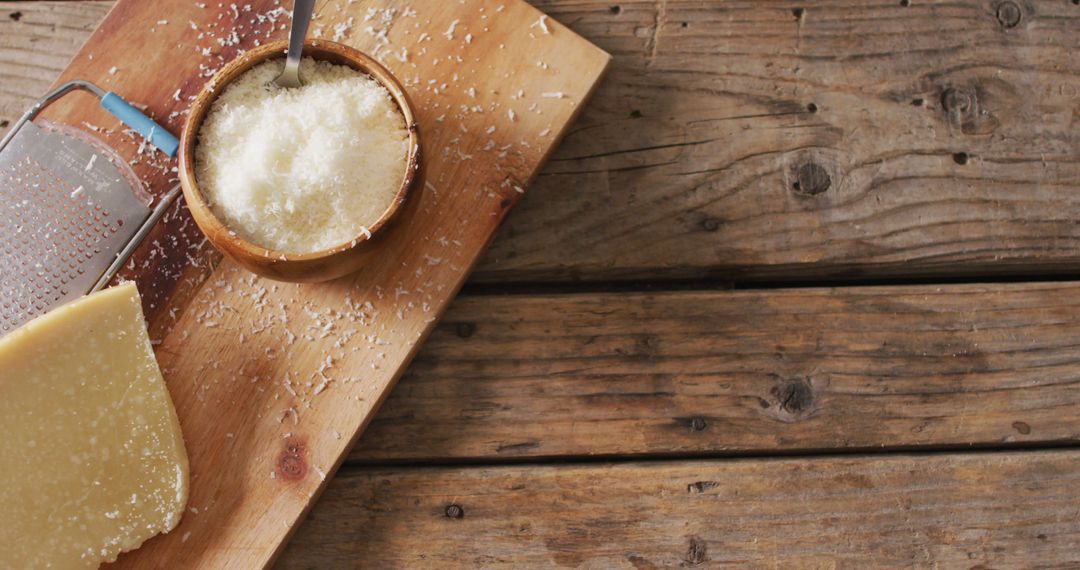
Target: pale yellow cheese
{"x":93,"y":459}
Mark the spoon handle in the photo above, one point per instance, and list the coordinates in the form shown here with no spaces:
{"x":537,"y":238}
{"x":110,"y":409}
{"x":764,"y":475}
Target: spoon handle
{"x":301,"y":16}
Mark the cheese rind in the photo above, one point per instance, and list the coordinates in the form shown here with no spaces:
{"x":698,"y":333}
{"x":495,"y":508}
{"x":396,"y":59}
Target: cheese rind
{"x":94,"y":461}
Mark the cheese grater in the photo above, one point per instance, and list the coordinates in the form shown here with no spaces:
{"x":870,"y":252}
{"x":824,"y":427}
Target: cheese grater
{"x":71,"y":209}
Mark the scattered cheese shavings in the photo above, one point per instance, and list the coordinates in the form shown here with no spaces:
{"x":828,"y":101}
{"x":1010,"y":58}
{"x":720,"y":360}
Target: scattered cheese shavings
{"x":553,"y":95}
{"x":449,"y":33}
{"x":542,"y":23}
{"x":342,"y":28}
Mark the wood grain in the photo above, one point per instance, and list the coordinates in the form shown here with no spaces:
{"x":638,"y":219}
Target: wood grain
{"x":730,"y":372}
{"x":272,"y":382}
{"x":928,"y":511}
{"x":684,"y":165}
{"x":37,"y":39}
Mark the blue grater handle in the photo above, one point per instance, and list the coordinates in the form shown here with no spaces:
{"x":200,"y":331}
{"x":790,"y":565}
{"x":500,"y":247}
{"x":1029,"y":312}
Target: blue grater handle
{"x":145,"y":126}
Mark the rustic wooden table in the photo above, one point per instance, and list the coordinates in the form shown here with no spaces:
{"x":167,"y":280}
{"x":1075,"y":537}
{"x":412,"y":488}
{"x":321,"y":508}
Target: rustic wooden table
{"x":794,"y":291}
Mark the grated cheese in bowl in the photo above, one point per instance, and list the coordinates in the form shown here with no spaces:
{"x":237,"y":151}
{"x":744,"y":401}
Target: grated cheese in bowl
{"x":306,"y":169}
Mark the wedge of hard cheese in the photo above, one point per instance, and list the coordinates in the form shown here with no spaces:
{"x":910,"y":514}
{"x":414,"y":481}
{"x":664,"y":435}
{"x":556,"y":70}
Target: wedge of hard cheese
{"x":93,"y":459}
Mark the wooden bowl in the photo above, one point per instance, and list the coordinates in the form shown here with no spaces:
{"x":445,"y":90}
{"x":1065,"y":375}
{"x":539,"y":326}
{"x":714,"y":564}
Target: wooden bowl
{"x":321,"y":265}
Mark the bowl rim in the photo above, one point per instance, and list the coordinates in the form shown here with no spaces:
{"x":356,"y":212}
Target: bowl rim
{"x":200,"y":108}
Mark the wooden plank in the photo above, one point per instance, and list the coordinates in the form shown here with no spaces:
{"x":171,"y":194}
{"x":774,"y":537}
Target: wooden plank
{"x":272,"y":382}
{"x":37,"y":39}
{"x":685,"y":163}
{"x":730,"y":372}
{"x":951,"y":511}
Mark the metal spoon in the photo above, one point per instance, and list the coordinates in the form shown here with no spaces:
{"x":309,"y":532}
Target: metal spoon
{"x":301,"y":17}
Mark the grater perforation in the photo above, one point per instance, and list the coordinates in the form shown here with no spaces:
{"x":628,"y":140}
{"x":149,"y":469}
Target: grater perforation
{"x":58,"y":229}
{"x":71,"y":209}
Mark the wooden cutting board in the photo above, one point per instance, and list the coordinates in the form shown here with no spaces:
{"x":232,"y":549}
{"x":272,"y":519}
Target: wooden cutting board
{"x":273,"y":382}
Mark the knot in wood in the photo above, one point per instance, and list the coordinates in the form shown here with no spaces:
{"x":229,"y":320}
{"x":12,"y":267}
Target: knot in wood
{"x":291,"y":464}
{"x":454,"y":512}
{"x":646,"y":345}
{"x":812,"y":178}
{"x":465,"y":330}
{"x":710,"y":224}
{"x":697,"y":553}
{"x":698,"y":424}
{"x":1009,"y":14}
{"x":794,"y":399}
{"x":958,"y":101}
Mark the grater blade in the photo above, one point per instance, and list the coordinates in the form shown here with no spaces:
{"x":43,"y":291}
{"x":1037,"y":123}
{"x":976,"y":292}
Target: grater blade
{"x":67,"y":209}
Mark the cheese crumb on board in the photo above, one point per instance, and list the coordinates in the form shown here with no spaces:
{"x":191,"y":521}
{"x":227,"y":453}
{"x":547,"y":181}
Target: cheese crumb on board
{"x":94,"y":461}
{"x":542,"y":23}
{"x":305,"y":169}
{"x":449,"y":33}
